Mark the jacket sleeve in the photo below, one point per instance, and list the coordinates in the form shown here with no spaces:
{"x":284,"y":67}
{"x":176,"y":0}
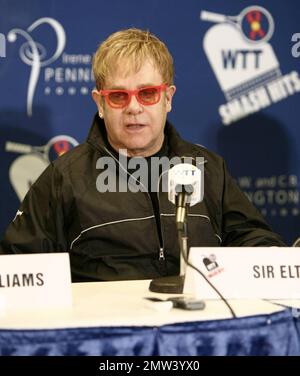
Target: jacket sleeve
{"x":38,"y":224}
{"x":242,"y":224}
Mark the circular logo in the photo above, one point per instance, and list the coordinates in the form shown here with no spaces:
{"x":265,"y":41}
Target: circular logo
{"x":257,"y":24}
{"x":58,"y":146}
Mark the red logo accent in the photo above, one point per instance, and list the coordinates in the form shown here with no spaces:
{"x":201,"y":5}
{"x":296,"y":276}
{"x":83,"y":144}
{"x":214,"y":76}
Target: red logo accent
{"x":61,"y":147}
{"x":254,"y":18}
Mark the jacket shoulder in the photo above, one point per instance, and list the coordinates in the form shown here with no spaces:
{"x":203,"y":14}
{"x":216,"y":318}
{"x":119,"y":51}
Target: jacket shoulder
{"x":209,"y":155}
{"x":72,"y":157}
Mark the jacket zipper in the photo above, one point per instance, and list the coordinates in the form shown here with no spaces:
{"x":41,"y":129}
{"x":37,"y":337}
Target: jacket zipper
{"x":162,"y":244}
{"x":161,"y":257}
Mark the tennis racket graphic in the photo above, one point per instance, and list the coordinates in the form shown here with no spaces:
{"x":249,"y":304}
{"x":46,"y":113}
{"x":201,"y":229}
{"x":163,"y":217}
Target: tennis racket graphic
{"x":255,"y":23}
{"x":54,"y":148}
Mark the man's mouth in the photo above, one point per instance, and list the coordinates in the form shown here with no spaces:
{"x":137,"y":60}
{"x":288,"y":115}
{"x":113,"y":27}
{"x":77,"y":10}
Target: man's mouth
{"x":135,"y":127}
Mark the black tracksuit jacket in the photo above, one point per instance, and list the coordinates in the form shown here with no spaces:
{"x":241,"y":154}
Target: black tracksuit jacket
{"x":116,"y":235}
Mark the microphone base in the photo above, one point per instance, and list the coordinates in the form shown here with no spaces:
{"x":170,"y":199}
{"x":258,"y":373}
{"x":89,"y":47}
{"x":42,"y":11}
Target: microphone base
{"x":167,"y":285}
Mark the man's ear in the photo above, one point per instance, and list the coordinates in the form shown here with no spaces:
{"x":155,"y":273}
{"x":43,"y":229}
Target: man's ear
{"x":169,"y":96}
{"x":98,"y":100}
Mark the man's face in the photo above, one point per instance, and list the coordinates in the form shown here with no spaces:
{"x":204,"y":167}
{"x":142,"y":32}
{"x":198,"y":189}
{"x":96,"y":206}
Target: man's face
{"x":138,"y":128}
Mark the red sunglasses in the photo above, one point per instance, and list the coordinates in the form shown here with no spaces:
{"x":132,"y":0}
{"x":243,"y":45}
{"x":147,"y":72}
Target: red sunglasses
{"x":121,"y":98}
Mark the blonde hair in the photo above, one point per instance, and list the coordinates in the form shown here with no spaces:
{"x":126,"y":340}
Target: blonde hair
{"x":131,"y":47}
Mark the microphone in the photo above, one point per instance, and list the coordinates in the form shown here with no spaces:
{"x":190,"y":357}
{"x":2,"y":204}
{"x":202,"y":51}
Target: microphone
{"x":185,"y":189}
{"x":182,"y":202}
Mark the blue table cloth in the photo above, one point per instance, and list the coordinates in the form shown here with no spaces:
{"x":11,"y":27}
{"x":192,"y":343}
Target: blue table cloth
{"x":275,"y":334}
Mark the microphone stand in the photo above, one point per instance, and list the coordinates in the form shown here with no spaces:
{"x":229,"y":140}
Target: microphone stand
{"x":183,"y":246}
{"x":174,"y":284}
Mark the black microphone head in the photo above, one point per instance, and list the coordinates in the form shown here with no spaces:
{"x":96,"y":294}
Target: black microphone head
{"x":190,"y":160}
{"x":184,"y":188}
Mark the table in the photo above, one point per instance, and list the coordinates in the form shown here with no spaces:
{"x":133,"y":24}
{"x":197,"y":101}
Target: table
{"x":112,"y":318}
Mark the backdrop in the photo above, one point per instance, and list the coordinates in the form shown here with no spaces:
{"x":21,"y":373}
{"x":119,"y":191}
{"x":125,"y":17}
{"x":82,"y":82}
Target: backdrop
{"x":237,"y":74}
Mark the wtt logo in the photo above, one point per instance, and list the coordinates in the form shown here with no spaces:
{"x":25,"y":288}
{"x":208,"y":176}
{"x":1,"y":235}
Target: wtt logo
{"x":2,"y":46}
{"x":244,"y":63}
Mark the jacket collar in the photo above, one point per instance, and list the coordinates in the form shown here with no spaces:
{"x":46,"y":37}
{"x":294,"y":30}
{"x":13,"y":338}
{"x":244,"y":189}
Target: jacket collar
{"x":97,"y":134}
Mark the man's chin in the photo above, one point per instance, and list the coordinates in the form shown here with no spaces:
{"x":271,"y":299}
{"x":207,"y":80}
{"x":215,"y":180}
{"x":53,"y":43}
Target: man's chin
{"x":139,"y":150}
{"x":137,"y":145}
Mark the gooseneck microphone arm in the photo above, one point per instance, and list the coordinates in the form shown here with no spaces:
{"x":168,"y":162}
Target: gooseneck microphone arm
{"x":182,"y":201}
{"x":174,"y":284}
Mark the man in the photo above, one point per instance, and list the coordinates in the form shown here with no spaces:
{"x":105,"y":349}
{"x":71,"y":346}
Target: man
{"x":123,"y":234}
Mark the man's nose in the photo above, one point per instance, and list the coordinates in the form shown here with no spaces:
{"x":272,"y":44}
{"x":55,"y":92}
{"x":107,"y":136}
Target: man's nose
{"x":134,"y":107}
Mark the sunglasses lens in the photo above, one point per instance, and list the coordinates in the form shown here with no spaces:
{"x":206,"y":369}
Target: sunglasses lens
{"x":149,"y":95}
{"x":121,"y":98}
{"x":118,"y":98}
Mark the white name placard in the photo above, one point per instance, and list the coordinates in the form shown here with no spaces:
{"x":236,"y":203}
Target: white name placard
{"x":35,"y":281}
{"x":245,"y":272}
